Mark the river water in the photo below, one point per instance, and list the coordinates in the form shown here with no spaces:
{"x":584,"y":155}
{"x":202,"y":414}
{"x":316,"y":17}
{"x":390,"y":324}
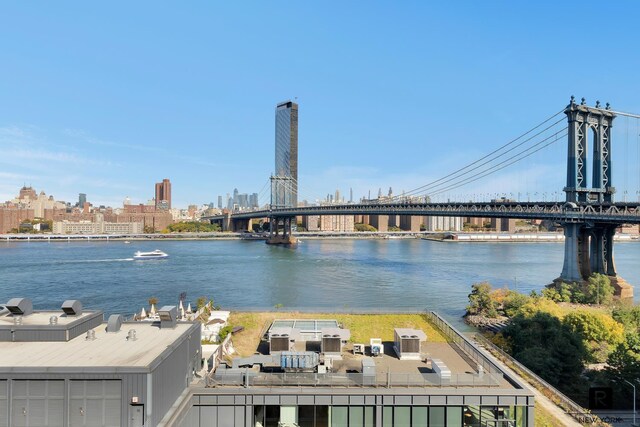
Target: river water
{"x":335,"y":275}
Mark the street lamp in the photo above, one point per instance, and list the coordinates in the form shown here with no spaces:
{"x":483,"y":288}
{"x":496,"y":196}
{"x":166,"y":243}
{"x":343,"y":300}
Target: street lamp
{"x":634,"y":400}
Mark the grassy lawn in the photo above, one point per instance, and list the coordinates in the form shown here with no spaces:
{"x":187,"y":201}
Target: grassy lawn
{"x":544,"y":419}
{"x":362,"y":326}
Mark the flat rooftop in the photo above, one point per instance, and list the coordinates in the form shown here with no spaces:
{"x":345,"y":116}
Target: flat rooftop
{"x":107,"y":350}
{"x":41,"y":318}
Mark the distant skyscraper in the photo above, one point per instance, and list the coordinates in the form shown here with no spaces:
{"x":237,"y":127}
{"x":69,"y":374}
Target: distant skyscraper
{"x":235,"y":196}
{"x":286,"y":191}
{"x":350,"y":195}
{"x":253,"y":200}
{"x":82,"y":199}
{"x":219,"y":202}
{"x":163,"y":194}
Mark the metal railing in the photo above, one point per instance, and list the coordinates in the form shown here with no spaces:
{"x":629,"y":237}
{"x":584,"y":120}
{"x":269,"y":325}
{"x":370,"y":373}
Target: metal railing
{"x":465,"y":344}
{"x":298,"y":379}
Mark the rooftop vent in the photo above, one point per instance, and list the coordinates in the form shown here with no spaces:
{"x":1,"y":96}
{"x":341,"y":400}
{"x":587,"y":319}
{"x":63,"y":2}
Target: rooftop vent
{"x":53,"y":320}
{"x":91,"y":335}
{"x":20,"y":306}
{"x":168,"y":316}
{"x":72,"y":307}
{"x":114,"y":323}
{"x":131,"y":335}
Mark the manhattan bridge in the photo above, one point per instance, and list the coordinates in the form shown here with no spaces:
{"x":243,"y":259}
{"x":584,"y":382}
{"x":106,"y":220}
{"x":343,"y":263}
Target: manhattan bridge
{"x":589,"y":215}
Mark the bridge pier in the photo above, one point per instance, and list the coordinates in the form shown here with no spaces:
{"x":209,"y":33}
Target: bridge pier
{"x":282,"y":236}
{"x":410,"y":223}
{"x":588,"y":249}
{"x":380,"y":222}
{"x":239,"y":225}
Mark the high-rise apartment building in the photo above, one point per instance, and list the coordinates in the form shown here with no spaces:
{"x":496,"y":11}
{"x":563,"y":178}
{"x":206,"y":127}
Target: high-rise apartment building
{"x":82,"y":199}
{"x":163,"y":194}
{"x":219,"y":202}
{"x":285,"y":186}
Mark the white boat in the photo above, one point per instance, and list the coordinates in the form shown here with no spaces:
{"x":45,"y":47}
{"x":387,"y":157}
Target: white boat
{"x":157,"y":254}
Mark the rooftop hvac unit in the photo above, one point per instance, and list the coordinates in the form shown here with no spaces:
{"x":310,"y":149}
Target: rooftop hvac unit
{"x":168,"y":316}
{"x":331,"y":344}
{"x":407,"y":343}
{"x":279,"y":343}
{"x":72,"y":307}
{"x":20,"y":306}
{"x":377,"y":348}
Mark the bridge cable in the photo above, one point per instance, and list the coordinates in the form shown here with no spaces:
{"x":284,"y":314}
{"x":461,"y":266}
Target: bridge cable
{"x":449,"y":181}
{"x":494,"y":151}
{"x":480,"y":175}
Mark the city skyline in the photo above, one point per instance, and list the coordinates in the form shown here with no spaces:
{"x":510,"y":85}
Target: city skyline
{"x":383,"y":90}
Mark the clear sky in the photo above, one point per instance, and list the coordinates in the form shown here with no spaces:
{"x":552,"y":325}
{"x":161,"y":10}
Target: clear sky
{"x":109,"y":98}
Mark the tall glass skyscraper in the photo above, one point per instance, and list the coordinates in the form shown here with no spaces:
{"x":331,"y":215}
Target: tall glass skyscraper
{"x":284,"y":185}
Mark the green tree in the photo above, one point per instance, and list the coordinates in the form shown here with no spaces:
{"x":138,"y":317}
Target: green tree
{"x":599,"y":290}
{"x":480,"y":301}
{"x":148,"y":229}
{"x":513,"y":302}
{"x":364,"y":227}
{"x":547,"y":347}
{"x":600,"y":334}
{"x":624,"y":361}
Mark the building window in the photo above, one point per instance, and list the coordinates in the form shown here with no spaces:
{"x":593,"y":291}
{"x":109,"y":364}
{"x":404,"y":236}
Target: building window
{"x":313,"y":416}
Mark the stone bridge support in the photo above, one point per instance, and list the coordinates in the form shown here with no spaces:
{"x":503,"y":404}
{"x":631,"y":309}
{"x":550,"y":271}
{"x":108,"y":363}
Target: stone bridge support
{"x":380,"y":222}
{"x":280,"y":231}
{"x":239,"y":225}
{"x":588,"y":249}
{"x":410,"y":223}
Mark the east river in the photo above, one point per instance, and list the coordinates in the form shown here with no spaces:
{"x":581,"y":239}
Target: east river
{"x":320,"y":275}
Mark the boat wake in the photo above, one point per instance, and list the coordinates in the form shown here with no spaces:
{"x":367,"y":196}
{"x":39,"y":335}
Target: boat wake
{"x":87,"y":261}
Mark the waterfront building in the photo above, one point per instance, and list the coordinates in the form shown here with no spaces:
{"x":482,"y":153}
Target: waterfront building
{"x":336,"y":223}
{"x":68,"y":368}
{"x":100,"y":227}
{"x":311,"y":222}
{"x":506,"y":225}
{"x":163,"y":194}
{"x":443,"y":223}
{"x":157,"y":219}
{"x":286,"y":158}
{"x":442,"y":384}
{"x":12,"y":216}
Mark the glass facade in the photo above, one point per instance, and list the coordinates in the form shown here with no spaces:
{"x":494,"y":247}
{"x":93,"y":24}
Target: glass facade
{"x":392,"y":416}
{"x":286,"y":165}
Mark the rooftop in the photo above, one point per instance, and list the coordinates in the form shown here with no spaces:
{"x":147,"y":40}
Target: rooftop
{"x":107,"y":350}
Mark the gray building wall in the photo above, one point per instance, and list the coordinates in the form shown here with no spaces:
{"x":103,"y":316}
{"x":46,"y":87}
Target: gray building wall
{"x":167,"y":378}
{"x":173,"y":375}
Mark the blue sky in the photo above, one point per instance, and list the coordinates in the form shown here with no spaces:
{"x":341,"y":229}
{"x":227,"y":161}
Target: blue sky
{"x":108,"y":99}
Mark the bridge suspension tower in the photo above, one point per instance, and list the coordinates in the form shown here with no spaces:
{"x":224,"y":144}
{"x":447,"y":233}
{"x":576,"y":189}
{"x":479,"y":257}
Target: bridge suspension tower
{"x":589,"y":245}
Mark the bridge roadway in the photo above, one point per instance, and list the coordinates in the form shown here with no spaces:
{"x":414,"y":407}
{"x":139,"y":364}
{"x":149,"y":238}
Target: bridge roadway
{"x":612,"y":213}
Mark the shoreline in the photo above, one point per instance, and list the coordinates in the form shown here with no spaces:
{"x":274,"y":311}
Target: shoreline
{"x":446,"y":237}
